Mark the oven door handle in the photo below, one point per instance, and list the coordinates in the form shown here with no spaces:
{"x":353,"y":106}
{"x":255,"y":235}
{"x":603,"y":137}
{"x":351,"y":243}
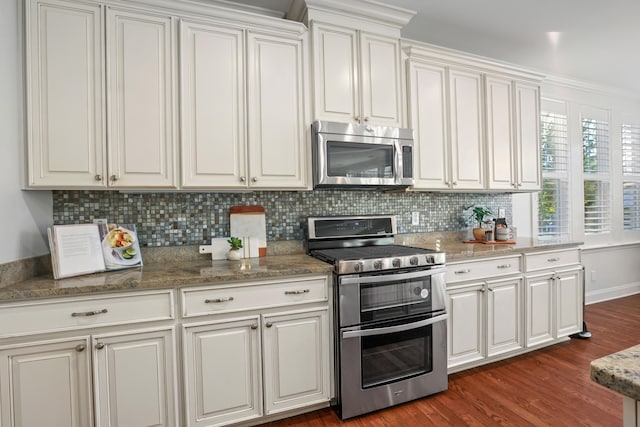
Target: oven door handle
{"x":390,"y":277}
{"x":394,"y":329}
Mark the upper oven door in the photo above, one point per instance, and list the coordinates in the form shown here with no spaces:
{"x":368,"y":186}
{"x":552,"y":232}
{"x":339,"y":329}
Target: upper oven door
{"x":382,"y":296}
{"x":353,"y":160}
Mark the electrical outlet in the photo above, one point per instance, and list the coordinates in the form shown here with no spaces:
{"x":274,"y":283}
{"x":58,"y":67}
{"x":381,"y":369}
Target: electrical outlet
{"x":594,"y":276}
{"x":100,"y":221}
{"x":415,"y":218}
{"x":501,"y":213}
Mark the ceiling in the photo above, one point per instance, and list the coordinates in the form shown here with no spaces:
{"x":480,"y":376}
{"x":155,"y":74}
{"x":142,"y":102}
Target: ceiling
{"x":590,"y":40}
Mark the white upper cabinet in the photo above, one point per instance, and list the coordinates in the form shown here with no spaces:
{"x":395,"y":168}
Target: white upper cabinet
{"x":513,"y":134}
{"x":429,"y":120}
{"x":277,"y":128}
{"x":476,"y":124}
{"x":65,"y":66}
{"x":501,"y":147}
{"x":467,"y":135}
{"x":212,"y":105}
{"x":357,"y":76}
{"x":244,"y":125}
{"x":528,"y":159}
{"x":140,"y":85}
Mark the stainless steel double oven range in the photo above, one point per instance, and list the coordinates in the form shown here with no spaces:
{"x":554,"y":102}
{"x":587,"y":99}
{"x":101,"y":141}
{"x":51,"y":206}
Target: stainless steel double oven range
{"x":390,"y":313}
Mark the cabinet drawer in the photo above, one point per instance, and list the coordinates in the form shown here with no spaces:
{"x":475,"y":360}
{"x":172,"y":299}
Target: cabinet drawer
{"x":484,"y":269}
{"x":77,"y":313}
{"x":551,"y":259}
{"x":220,"y":299}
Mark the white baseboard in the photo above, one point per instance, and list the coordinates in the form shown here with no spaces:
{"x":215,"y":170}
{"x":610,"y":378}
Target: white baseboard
{"x":612,"y":293}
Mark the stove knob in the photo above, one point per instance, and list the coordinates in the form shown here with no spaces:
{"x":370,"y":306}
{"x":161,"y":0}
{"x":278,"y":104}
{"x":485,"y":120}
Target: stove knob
{"x":413,"y":260}
{"x":396,"y":262}
{"x":358,"y":267}
{"x":377,"y":264}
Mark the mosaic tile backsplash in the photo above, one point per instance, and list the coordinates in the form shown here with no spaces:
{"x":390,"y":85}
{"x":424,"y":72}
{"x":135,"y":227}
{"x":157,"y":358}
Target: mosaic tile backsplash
{"x":176,"y":219}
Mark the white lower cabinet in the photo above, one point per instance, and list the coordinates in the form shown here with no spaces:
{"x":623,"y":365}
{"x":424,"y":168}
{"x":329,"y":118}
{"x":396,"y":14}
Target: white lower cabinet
{"x":484,"y":320}
{"x":554,"y":307}
{"x":254,"y":357}
{"x":135,"y":379}
{"x":46,"y":384}
{"x":222,"y":372}
{"x":296,"y":359}
{"x":89,"y":361}
{"x":130,"y":377}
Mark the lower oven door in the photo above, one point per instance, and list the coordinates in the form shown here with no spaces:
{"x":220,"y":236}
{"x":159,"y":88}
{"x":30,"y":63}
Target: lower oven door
{"x":391,"y":363}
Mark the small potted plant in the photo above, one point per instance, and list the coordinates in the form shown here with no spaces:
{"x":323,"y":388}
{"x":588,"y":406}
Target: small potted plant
{"x":234,"y":250}
{"x":478,"y":213}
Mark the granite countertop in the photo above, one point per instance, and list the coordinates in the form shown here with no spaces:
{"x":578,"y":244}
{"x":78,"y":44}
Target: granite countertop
{"x":619,"y":372}
{"x":177,"y":267}
{"x":166,"y":275}
{"x":456,"y":250}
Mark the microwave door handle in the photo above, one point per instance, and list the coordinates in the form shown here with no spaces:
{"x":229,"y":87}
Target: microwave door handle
{"x":394,"y":329}
{"x":390,"y":277}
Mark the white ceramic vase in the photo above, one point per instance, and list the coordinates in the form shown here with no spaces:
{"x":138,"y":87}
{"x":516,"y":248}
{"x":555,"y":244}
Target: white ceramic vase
{"x":233,"y":255}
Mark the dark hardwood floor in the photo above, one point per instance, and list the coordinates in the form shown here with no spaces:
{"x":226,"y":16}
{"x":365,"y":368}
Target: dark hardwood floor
{"x":547,"y":387}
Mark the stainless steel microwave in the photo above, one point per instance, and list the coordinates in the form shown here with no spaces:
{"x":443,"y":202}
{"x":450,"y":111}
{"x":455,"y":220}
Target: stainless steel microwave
{"x":361,"y":156}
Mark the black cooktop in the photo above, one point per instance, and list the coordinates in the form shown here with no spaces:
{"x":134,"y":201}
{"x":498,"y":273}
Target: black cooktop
{"x":368,"y":252}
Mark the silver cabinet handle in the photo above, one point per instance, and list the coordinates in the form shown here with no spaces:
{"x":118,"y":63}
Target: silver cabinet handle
{"x":483,"y":290}
{"x":114,"y":178}
{"x":269,"y":324}
{"x":254,"y":326}
{"x":100,"y":346}
{"x":216,"y":300}
{"x":504,"y":266}
{"x":243,"y":179}
{"x":366,"y":119}
{"x":89,"y":313}
{"x":98,"y":177}
{"x":298,"y":292}
{"x":80,"y":347}
{"x":254,"y":179}
{"x":462,"y":271}
{"x":553,"y":259}
{"x":357,"y":119}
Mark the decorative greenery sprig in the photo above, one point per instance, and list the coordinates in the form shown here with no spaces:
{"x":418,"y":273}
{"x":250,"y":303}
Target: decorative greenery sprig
{"x":235,"y":243}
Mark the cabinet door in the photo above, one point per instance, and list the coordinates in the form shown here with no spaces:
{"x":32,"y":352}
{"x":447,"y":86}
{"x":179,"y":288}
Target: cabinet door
{"x":135,"y":379}
{"x":381,"y":80}
{"x":296,"y":360}
{"x":429,"y":120}
{"x":66,"y":142}
{"x":467,"y":130}
{"x":528,"y":136}
{"x":504,"y":314}
{"x":212,"y":106}
{"x":465,"y":325}
{"x":46,"y":384}
{"x":222,"y":372}
{"x":500,"y":135}
{"x":335,"y":69}
{"x":568,"y":294}
{"x":276,"y":103}
{"x":539,"y":308}
{"x":140,"y":87}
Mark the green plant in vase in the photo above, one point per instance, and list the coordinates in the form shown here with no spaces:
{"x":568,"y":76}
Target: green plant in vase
{"x":478,"y":214}
{"x":235,"y":246}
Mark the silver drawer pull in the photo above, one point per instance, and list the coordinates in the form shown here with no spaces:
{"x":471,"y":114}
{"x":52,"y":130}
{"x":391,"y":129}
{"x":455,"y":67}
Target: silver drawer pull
{"x":553,"y":259}
{"x":89,"y":313}
{"x":504,"y":266}
{"x":462,"y":271}
{"x":304,"y":291}
{"x":227,"y":299}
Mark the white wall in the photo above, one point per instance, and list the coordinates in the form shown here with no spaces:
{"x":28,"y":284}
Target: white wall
{"x":24,"y":215}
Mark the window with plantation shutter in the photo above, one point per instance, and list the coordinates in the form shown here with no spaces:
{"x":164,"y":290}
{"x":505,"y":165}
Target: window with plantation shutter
{"x":595,"y":157}
{"x":553,"y":200}
{"x":631,"y":176}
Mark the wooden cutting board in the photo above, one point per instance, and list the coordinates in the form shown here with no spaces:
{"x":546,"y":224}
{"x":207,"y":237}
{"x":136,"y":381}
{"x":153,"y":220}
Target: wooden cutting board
{"x":249,"y":221}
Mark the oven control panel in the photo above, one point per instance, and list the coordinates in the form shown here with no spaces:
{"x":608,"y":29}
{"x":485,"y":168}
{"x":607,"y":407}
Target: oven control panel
{"x":393,"y":263}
